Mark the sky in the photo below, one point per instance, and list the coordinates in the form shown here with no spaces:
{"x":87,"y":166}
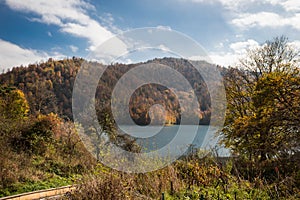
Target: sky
{"x":34,"y":30}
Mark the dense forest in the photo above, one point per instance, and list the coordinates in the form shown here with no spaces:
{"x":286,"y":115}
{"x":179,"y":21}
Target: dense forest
{"x":40,"y":147}
{"x":48,"y":89}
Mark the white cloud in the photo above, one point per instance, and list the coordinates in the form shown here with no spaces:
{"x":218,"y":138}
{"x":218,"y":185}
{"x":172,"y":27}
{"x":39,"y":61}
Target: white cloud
{"x":236,"y":4}
{"x":49,"y":34}
{"x":108,"y":21}
{"x":228,"y":4}
{"x":228,"y":54}
{"x":13,"y":55}
{"x":288,"y":5}
{"x":248,"y":14}
{"x":236,"y":51}
{"x":258,"y":19}
{"x":242,"y":47}
{"x":219,"y":45}
{"x":274,"y":19}
{"x":73,"y":48}
{"x":266,"y":19}
{"x":125,"y":61}
{"x":265,"y":13}
{"x":164,"y":48}
{"x":70,"y":15}
{"x":295,"y":44}
{"x":203,"y":58}
{"x":224,"y":59}
{"x":168,"y":28}
{"x":110,"y":50}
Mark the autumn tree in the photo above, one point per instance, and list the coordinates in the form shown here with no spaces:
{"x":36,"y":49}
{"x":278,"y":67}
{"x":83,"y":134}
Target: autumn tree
{"x":13,"y":103}
{"x":263,"y":103}
{"x":13,"y":112}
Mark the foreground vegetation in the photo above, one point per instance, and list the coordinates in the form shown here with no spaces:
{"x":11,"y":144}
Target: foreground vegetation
{"x":37,"y":152}
{"x":192,"y":177}
{"x":40,"y":149}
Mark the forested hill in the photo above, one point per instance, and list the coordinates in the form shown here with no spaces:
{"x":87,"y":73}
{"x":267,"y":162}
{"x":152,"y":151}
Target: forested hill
{"x":48,"y":88}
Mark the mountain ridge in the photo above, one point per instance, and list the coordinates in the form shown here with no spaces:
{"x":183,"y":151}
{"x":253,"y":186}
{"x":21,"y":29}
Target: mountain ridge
{"x":48,"y":88}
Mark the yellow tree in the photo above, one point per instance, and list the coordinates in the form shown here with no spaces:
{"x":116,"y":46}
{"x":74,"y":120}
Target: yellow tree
{"x":263,"y":103}
{"x":13,"y":104}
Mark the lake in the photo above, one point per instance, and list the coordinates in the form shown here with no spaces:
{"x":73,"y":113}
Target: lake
{"x":152,"y":138}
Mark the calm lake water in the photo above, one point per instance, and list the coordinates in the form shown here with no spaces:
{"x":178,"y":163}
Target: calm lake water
{"x":180,"y":136}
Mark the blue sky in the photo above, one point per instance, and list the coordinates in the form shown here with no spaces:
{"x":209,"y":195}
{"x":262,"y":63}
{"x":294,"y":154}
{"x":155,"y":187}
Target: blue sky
{"x":34,"y":30}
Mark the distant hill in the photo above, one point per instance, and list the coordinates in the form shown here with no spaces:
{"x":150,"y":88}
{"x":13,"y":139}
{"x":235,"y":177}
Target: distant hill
{"x":48,"y":88}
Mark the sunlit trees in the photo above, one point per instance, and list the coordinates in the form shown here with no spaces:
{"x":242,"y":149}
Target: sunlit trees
{"x":13,"y":103}
{"x":263,"y":95}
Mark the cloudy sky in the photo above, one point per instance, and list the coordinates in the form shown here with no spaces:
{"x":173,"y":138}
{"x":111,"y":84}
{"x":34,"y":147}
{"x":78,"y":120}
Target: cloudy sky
{"x":34,"y":30}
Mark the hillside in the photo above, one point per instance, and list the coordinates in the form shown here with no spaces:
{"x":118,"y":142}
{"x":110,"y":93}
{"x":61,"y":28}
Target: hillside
{"x":48,"y":89}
